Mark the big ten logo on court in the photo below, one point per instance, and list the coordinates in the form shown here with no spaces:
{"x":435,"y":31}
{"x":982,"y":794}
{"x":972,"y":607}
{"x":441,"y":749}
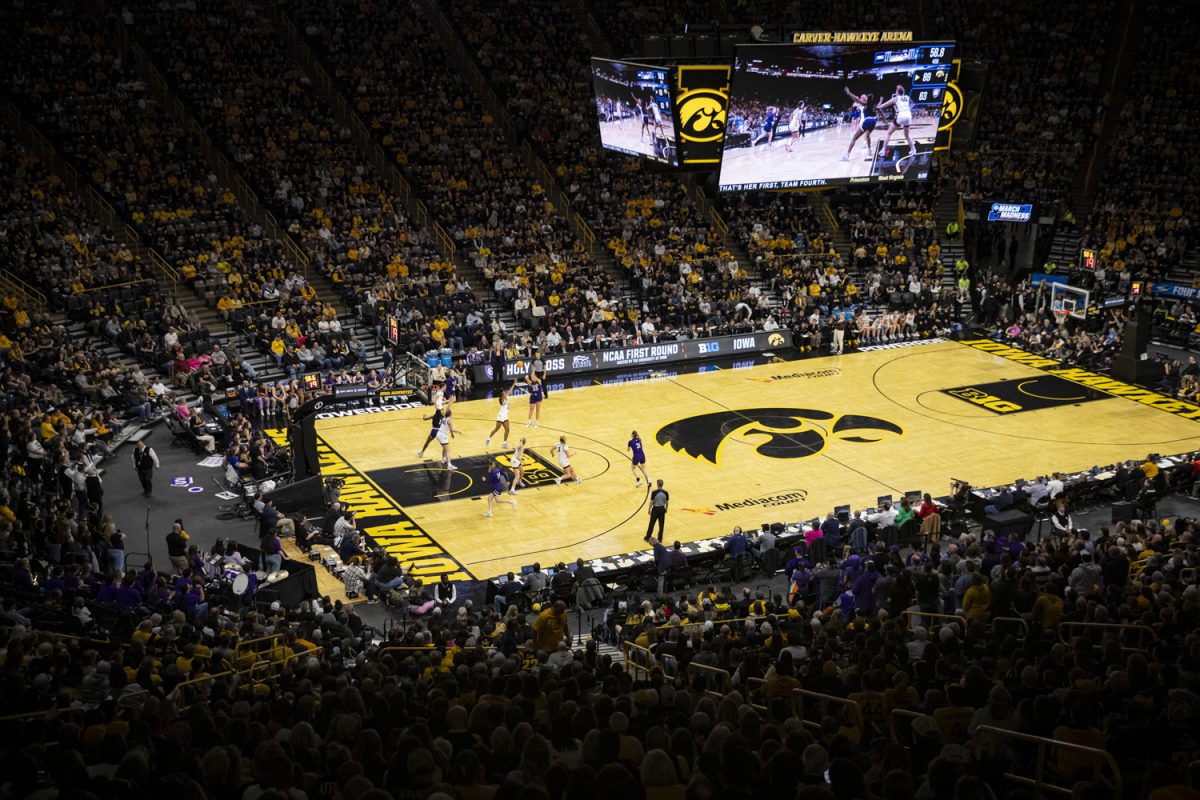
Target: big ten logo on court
{"x":701,"y":105}
{"x":535,"y":471}
{"x":982,"y":398}
{"x":771,"y":432}
{"x":708,"y":348}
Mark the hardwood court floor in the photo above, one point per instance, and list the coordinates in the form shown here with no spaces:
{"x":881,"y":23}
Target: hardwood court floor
{"x":785,"y":441}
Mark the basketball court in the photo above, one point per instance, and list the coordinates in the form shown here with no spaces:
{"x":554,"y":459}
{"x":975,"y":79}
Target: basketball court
{"x":818,"y":154}
{"x":628,"y":135}
{"x":777,"y":442}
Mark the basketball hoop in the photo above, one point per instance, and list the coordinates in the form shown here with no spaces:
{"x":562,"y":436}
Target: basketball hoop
{"x":1060,"y":316}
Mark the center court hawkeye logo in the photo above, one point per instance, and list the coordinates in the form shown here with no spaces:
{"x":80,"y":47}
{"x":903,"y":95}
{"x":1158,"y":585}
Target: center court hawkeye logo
{"x":789,"y":432}
{"x":766,"y":501}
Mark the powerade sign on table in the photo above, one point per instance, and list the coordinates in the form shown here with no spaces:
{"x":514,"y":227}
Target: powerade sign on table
{"x":644,"y":355}
{"x":1010,"y":212}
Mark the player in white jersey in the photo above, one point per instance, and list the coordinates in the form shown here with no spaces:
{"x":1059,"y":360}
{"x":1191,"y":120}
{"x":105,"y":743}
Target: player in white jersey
{"x":516,"y":460}
{"x":445,"y":433}
{"x":795,"y":126}
{"x":439,"y":404}
{"x":564,"y":461}
{"x":902,"y":103}
{"x":501,"y":417}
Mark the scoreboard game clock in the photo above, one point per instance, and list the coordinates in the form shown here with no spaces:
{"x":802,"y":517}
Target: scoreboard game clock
{"x":1087,"y":259}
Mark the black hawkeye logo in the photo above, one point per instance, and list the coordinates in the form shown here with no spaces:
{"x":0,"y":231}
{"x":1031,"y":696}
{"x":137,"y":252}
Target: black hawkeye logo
{"x":702,"y":115}
{"x":773,"y":432}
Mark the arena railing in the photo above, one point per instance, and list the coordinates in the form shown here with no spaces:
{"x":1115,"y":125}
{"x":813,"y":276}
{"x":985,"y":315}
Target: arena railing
{"x":404,"y":651}
{"x":104,"y":208}
{"x":723,"y":680}
{"x":718,"y":222}
{"x":910,"y":615}
{"x":830,"y":217}
{"x":169,"y":273}
{"x":21,"y":288}
{"x":69,"y":711}
{"x":894,"y":725}
{"x":445,"y":240}
{"x":183,"y":695}
{"x":1022,"y":624}
{"x":690,"y":628}
{"x":1144,"y":633}
{"x":120,"y":285}
{"x":264,"y":645}
{"x":1098,"y":759}
{"x":756,"y":687}
{"x":291,"y":658}
{"x":853,"y":712}
{"x":670,"y":665}
{"x":638,"y":659}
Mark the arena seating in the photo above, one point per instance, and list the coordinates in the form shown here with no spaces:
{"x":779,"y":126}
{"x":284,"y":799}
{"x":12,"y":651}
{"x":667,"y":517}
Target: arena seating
{"x":457,"y":158}
{"x":1140,"y":220}
{"x":1026,"y":148}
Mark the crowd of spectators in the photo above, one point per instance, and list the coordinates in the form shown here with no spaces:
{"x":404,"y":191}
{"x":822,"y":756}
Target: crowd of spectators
{"x":1140,"y":219}
{"x":1039,"y":116}
{"x":490,"y":699}
{"x":457,"y":157}
{"x":675,"y":261}
{"x":251,"y":93}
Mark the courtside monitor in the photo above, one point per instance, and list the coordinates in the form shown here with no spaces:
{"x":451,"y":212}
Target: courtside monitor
{"x":834,"y":114}
{"x":633,"y":109}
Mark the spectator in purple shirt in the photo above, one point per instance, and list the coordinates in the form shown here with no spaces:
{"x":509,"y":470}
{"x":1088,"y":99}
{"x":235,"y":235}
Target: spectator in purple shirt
{"x":864,"y":588}
{"x":129,"y":596}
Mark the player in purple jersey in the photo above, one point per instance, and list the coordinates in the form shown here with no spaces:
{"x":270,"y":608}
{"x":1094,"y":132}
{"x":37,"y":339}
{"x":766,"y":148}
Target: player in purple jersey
{"x":451,"y":386}
{"x":639,"y":458}
{"x":495,"y":479}
{"x":536,"y":395}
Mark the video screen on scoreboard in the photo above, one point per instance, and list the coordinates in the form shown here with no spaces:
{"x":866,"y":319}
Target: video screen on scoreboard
{"x":633,"y":109}
{"x":826,"y":115}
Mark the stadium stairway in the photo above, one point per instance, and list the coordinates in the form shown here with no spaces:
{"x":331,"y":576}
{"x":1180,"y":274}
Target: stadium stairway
{"x":1116,"y":75}
{"x":1064,"y":249}
{"x":457,"y":51}
{"x":367,"y":144}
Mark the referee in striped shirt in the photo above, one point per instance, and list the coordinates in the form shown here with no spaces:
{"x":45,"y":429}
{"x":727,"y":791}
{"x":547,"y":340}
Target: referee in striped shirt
{"x":658,"y":510}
